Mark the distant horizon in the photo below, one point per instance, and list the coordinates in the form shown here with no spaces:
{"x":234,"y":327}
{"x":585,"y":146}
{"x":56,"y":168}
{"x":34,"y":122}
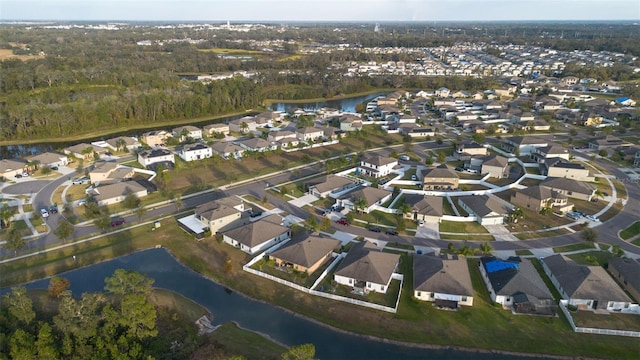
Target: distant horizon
{"x":320,"y":10}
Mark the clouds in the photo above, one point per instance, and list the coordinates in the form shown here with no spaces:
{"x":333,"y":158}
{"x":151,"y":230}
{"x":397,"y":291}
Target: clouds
{"x":317,"y":10}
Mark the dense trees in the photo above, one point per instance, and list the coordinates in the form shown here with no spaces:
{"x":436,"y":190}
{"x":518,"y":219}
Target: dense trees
{"x":95,"y":325}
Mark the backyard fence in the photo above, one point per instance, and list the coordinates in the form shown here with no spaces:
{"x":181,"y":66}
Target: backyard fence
{"x":594,"y":330}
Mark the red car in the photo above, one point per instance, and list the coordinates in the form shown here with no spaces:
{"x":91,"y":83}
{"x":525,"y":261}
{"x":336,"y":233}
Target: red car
{"x":343,"y":222}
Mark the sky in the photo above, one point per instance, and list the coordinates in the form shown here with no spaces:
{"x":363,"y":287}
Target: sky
{"x":319,"y":10}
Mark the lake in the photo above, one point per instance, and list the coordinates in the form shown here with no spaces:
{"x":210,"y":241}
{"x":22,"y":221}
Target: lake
{"x":345,"y":105}
{"x":225,"y":305}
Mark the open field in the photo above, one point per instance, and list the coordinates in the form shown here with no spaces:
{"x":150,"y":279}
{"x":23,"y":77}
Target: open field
{"x":6,"y":54}
{"x":246,"y":343}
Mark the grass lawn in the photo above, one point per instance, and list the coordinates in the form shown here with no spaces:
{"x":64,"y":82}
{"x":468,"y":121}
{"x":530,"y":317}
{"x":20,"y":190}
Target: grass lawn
{"x":468,"y":176}
{"x":535,"y":221}
{"x":189,"y":309}
{"x":415,"y":321}
{"x":613,"y":211}
{"x":409,"y":173}
{"x":574,"y":247}
{"x":255,"y":200}
{"x":533,"y":170}
{"x":500,"y":182}
{"x":296,"y":277}
{"x":19,"y":225}
{"x":523,"y":252}
{"x":614,"y":321}
{"x":631,"y":231}
{"x":543,"y":234}
{"x":530,"y":182}
{"x":447,"y":209}
{"x":467,"y":237}
{"x":589,"y":207}
{"x":246,"y":343}
{"x":461,"y":227}
{"x":593,"y":258}
{"x":620,"y":189}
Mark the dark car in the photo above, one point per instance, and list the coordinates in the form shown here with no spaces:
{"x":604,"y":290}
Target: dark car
{"x":459,"y":169}
{"x":374,"y":229}
{"x":391,"y":232}
{"x":18,"y":176}
{"x":54,"y":168}
{"x":255,"y":213}
{"x":343,"y":222}
{"x":53,"y":209}
{"x":117,"y":222}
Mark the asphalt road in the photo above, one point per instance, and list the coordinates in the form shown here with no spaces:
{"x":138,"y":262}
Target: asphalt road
{"x":607,"y":232}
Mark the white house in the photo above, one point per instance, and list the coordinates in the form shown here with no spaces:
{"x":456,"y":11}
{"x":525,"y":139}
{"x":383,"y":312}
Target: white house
{"x":367,"y":268}
{"x":193,"y":152}
{"x":50,"y":159}
{"x":116,"y":192}
{"x":188,"y":131}
{"x":377,"y":166}
{"x":372,"y":197}
{"x":309,"y":134}
{"x":443,"y":280}
{"x":487,"y":209}
{"x":156,"y":156}
{"x":258,"y":236}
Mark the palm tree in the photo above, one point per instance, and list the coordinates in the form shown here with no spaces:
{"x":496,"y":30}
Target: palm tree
{"x":244,"y":126}
{"x":516,"y":214}
{"x":5,"y":214}
{"x":599,"y":194}
{"x":121,"y":144}
{"x":360,"y":203}
{"x":485,"y":248}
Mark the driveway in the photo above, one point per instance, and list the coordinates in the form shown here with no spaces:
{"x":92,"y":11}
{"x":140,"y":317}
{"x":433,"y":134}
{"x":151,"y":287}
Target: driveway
{"x":304,"y":200}
{"x":429,"y":231}
{"x":501,"y":233}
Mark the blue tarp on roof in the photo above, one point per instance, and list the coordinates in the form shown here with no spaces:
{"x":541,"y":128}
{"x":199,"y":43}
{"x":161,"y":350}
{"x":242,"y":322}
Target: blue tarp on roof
{"x":622,"y":99}
{"x":499,"y":265}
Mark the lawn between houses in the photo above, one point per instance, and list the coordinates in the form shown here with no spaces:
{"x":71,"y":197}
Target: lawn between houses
{"x":484,"y":325}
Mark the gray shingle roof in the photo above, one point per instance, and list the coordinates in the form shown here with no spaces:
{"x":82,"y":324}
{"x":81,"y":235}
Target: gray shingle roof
{"x":306,"y":252}
{"x":256,"y":233}
{"x":365,"y":262}
{"x":425,"y":205}
{"x":629,"y":269}
{"x":566,"y":184}
{"x":445,"y":276}
{"x":111,"y":191}
{"x":483,"y":205}
{"x":371,"y":195}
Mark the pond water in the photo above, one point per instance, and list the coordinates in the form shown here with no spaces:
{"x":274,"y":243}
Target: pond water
{"x":345,"y":105}
{"x":226,"y":305}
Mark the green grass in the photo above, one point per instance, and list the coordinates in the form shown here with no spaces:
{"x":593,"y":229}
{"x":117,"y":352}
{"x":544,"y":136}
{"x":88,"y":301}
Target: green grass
{"x":467,"y":237}
{"x":606,"y":321}
{"x":574,"y":247}
{"x":541,"y":234}
{"x":461,"y":227}
{"x":246,"y":343}
{"x":631,"y":231}
{"x":523,"y":252}
{"x":592,"y":258}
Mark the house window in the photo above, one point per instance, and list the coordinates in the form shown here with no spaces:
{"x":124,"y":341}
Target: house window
{"x":432,"y":295}
{"x":418,"y":294}
{"x":463,"y":299}
{"x":381,"y":288}
{"x":508,"y":299}
{"x":350,"y":281}
{"x":369,"y":285}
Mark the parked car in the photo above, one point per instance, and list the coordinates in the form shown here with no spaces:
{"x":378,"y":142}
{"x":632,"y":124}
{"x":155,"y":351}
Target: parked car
{"x":54,"y":168}
{"x":343,"y":222}
{"x":459,"y":169}
{"x":391,"y":232}
{"x":117,"y":222}
{"x":337,"y":208}
{"x":414,"y":177}
{"x":25,"y":174}
{"x":255,"y":213}
{"x":82,"y":202}
{"x":374,"y":229}
{"x":420,"y":222}
{"x":592,"y":218}
{"x":404,"y":158}
{"x":53,"y":209}
{"x":44,"y":213}
{"x":18,"y":176}
{"x":82,"y":180}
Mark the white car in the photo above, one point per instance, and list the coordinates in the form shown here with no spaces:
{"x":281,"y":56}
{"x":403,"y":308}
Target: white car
{"x":414,"y":178}
{"x":592,"y":218}
{"x":82,"y":180}
{"x":404,"y":158}
{"x":44,"y":213}
{"x":420,"y":222}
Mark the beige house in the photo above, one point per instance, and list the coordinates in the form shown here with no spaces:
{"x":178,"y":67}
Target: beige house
{"x":123,"y":143}
{"x":309,"y":133}
{"x":211,"y":129}
{"x":110,"y":172}
{"x":627,"y":272}
{"x":423,"y":207}
{"x":50,"y":159}
{"x":84,"y":151}
{"x":538,"y":197}
{"x":564,"y":169}
{"x":10,"y":168}
{"x":307,"y":255}
{"x":440,"y":178}
{"x":466,"y":151}
{"x":367,"y":268}
{"x":187,"y":132}
{"x":222,"y":214}
{"x":227,"y":149}
{"x":488,"y":209}
{"x":155,"y":138}
{"x":117,"y":192}
{"x":372,"y":197}
{"x":570,"y":188}
{"x":444,"y":280}
{"x":496,"y":166}
{"x":330,"y":185}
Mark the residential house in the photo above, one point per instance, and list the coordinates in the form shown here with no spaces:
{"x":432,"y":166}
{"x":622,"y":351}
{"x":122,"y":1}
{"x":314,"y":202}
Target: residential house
{"x":377,"y":166}
{"x":192,"y":152}
{"x":331,"y":133}
{"x":156,"y":157}
{"x":155,"y":138}
{"x":84,"y":151}
{"x":515,"y":283}
{"x":116,"y":192}
{"x":570,"y":188}
{"x":307,"y":255}
{"x":123,"y":143}
{"x":257,"y":236}
{"x":464,"y":151}
{"x":561,"y":168}
{"x":267,"y":118}
{"x":50,"y":159}
{"x":536,"y":198}
{"x":367,"y":268}
{"x":523,"y":145}
{"x":414,"y":130}
{"x":222,"y":214}
{"x":310,"y":134}
{"x":586,"y":287}
{"x":227,"y":149}
{"x":405,"y":119}
{"x":533,"y":125}
{"x":372,"y":197}
{"x":243,"y":125}
{"x":212,"y":129}
{"x":542,"y":154}
{"x":187,"y":132}
{"x":329,"y":185}
{"x":257,"y":145}
{"x":9,"y":168}
{"x":440,"y":178}
{"x":350,"y":122}
{"x":496,"y":166}
{"x":444,"y":280}
{"x":604,"y":143}
{"x":627,"y":272}
{"x":443,"y":92}
{"x":282,"y":136}
{"x":101,"y":171}
{"x":488,"y":209}
{"x":625,"y":101}
{"x":424,"y":207}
